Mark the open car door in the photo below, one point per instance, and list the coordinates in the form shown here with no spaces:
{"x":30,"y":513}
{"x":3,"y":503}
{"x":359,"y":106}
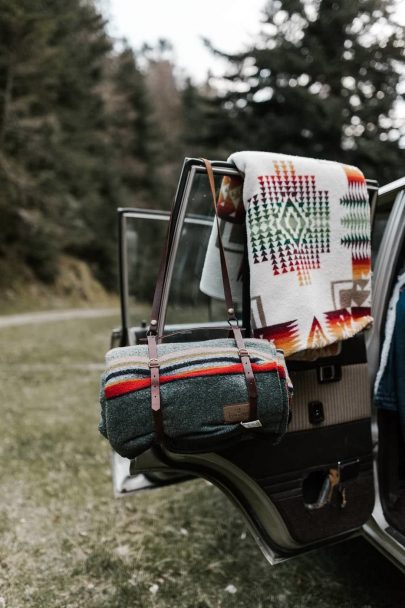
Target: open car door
{"x":316,"y":486}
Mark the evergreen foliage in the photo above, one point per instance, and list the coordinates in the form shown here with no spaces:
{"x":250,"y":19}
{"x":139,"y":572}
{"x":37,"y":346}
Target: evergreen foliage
{"x":86,"y":126}
{"x":322,"y":80}
{"x":204,"y":119}
{"x":51,"y":123}
{"x":75,"y":135}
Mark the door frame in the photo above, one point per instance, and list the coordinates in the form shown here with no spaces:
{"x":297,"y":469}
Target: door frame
{"x":377,"y":530}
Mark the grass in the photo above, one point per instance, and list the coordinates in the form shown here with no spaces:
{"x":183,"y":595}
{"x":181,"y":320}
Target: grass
{"x":66,"y":543}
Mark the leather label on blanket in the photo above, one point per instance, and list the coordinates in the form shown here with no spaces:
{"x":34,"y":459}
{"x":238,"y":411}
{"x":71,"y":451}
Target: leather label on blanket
{"x":236,"y":412}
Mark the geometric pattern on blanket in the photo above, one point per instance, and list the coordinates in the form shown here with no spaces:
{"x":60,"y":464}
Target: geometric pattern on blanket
{"x":289,"y":222}
{"x":357,"y":223}
{"x":308,"y":232}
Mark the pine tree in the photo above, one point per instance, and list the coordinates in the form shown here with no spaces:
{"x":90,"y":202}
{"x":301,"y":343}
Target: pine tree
{"x":202,"y":119}
{"x":76,"y":136}
{"x":165,"y":97}
{"x":322,"y":80}
{"x":132,"y":127}
{"x":51,"y":56}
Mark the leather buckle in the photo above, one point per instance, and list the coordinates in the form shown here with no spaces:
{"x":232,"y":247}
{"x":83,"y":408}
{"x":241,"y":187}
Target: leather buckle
{"x":242,"y":352}
{"x":153,"y":363}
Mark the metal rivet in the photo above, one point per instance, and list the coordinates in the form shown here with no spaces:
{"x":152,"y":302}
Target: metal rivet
{"x":153,"y":322}
{"x":231,"y":311}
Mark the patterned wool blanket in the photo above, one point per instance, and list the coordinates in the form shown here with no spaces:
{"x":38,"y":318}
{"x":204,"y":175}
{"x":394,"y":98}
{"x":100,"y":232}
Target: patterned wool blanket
{"x":203,"y":394}
{"x":308,"y":242}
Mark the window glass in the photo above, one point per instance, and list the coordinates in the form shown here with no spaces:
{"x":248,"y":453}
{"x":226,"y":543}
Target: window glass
{"x":145,"y":238}
{"x":196,"y":292}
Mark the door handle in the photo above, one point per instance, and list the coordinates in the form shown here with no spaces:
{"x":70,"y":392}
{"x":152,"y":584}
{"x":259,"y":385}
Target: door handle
{"x":334,"y":485}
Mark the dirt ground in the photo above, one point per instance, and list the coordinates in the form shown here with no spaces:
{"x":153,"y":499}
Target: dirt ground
{"x":65,"y":542}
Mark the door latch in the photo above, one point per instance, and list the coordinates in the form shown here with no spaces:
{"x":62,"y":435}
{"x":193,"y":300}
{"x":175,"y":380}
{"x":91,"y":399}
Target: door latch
{"x":333,"y":486}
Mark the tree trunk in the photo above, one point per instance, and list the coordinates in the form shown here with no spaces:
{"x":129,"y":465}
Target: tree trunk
{"x":7,"y":98}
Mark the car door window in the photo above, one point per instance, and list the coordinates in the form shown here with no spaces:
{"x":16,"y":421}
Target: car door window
{"x":142,"y":236}
{"x":187,"y":303}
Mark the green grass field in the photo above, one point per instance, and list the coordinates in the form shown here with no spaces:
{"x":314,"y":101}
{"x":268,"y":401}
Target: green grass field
{"x":65,"y":542}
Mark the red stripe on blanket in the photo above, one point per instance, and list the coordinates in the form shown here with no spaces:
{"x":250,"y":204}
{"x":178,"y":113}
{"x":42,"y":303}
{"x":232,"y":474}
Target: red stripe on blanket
{"x":354,"y":175}
{"x":129,"y":386}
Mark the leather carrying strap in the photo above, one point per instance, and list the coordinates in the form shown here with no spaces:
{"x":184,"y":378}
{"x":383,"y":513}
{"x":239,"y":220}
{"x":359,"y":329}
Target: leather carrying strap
{"x":232,"y":320}
{"x":161,"y":276}
{"x":237,"y":334}
{"x":155,"y":386}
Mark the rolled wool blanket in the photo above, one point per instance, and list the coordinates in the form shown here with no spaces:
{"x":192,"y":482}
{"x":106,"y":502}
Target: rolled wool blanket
{"x":203,"y":394}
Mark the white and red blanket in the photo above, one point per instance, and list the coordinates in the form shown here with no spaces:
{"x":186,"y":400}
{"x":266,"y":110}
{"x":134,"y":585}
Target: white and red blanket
{"x":308,"y":242}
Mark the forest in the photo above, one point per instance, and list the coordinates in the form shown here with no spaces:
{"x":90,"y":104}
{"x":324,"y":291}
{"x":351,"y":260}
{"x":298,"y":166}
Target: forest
{"x":89,"y":124}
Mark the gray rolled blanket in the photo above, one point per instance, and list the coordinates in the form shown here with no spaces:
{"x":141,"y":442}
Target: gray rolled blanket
{"x":203,"y":395}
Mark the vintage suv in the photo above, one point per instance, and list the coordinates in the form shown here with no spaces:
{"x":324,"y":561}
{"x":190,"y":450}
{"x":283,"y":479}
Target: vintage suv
{"x":340,"y":469}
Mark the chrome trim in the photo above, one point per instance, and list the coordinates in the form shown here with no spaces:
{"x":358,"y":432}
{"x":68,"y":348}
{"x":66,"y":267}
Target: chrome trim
{"x":147,"y":215}
{"x":165,"y":216}
{"x":390,"y":189}
{"x":220,"y":170}
{"x":199,"y":221}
